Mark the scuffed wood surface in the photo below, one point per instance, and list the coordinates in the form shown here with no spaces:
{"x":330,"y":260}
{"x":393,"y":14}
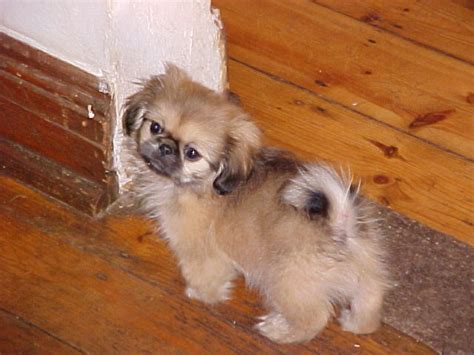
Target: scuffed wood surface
{"x":30,"y":130}
{"x":20,"y":337}
{"x":51,"y":108}
{"x":59,"y":114}
{"x":51,"y":178}
{"x":52,"y":67}
{"x":111,"y":286}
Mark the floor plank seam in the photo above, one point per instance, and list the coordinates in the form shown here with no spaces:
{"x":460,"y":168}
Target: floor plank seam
{"x":54,"y":336}
{"x":155,"y":284}
{"x":121,"y":268}
{"x":339,"y":104}
{"x":162,"y":287}
{"x":122,"y":258}
{"x":395,"y":34}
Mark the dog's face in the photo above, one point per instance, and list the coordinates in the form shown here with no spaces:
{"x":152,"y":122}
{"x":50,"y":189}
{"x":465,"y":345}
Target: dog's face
{"x":191,"y":134}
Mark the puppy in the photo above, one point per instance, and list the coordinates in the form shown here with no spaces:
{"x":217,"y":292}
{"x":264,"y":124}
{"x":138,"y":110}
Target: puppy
{"x":227,"y":205}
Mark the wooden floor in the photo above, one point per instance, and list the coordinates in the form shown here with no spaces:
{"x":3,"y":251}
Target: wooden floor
{"x":386,"y":88}
{"x":70,"y":284}
{"x":383,"y":87}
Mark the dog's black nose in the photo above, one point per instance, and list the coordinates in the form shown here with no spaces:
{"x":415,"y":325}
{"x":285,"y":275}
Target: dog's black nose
{"x":165,"y":149}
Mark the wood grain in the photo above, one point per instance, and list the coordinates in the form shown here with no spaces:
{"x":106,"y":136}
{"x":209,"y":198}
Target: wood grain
{"x":53,"y":108}
{"x":73,"y":95}
{"x":53,"y":67}
{"x":51,"y":141}
{"x":19,"y":337}
{"x":53,"y":179}
{"x":443,"y":25}
{"x":415,"y":178}
{"x":46,"y":106}
{"x":116,"y":278}
{"x":367,"y":70}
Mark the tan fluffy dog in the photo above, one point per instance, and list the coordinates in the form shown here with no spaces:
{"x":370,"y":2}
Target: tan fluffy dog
{"x":226,"y":205}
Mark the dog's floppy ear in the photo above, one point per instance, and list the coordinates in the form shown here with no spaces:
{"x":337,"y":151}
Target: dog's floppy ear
{"x":134,"y":113}
{"x":242,"y":143}
{"x":135,"y":105}
{"x":232,"y":97}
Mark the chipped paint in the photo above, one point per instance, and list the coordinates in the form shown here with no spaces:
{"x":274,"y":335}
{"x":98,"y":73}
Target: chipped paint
{"x":90,"y":112}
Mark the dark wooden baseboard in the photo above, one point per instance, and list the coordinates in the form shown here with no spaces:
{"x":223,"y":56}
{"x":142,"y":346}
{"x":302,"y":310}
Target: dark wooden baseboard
{"x":55,"y":127}
{"x":52,"y":178}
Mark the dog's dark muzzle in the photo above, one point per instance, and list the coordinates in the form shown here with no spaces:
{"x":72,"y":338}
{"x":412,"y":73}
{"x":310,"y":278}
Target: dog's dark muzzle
{"x":162,"y":155}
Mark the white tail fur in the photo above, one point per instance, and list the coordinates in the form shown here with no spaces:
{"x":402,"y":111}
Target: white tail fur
{"x":320,"y":179}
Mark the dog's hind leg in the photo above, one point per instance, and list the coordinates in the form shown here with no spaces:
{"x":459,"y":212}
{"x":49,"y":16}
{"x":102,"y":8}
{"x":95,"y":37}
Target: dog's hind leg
{"x":300,"y":310}
{"x":364,"y":314}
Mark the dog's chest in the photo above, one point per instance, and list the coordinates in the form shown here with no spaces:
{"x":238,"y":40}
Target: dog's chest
{"x":187,"y":216}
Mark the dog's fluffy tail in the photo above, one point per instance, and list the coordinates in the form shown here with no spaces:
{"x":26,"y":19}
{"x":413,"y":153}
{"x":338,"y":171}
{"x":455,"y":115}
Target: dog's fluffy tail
{"x":320,"y":192}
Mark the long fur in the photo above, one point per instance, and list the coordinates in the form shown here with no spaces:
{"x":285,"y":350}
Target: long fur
{"x":297,"y":231}
{"x":313,"y":179}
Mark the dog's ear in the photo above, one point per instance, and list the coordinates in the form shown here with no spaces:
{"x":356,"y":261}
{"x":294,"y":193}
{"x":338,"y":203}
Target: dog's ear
{"x":134,"y":113}
{"x":136,"y":104}
{"x":232,"y":97}
{"x":243,"y":142}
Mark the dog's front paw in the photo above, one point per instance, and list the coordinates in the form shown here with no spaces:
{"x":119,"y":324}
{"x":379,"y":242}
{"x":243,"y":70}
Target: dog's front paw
{"x":192,"y":293}
{"x":210,"y":295}
{"x":275,"y":327}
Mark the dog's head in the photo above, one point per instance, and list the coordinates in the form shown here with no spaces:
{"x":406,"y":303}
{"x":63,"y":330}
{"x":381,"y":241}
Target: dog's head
{"x":191,"y":134}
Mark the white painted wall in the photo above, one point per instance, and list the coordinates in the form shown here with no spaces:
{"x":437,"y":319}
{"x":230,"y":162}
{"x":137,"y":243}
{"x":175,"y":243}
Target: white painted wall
{"x":123,"y":40}
{"x":71,"y":30}
{"x":143,"y":35}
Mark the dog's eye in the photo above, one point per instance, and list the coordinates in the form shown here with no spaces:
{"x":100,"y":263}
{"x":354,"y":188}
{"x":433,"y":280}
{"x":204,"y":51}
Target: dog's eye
{"x":191,"y":154}
{"x":155,"y":128}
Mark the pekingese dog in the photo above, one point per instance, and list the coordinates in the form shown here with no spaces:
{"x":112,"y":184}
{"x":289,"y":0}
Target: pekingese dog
{"x":227,"y":205}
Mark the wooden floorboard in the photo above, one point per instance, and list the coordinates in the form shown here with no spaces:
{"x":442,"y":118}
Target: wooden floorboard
{"x":443,"y":25}
{"x":112,"y":286}
{"x":404,"y":85}
{"x":396,"y":170}
{"x":406,"y":106}
{"x":20,"y":337}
